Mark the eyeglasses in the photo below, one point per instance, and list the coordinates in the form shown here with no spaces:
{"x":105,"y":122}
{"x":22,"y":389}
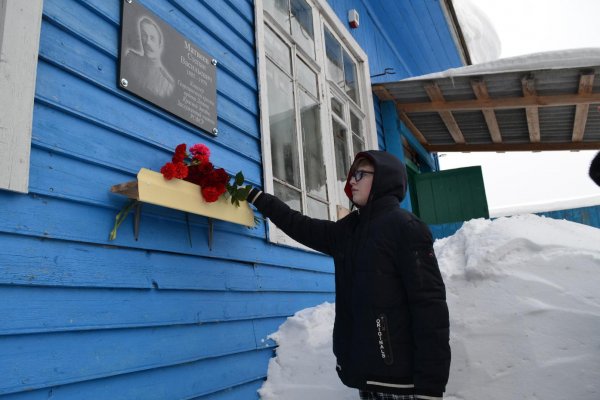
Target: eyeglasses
{"x":360,"y":173}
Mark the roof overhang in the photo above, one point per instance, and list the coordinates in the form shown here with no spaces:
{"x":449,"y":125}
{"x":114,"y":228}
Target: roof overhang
{"x":502,"y":107}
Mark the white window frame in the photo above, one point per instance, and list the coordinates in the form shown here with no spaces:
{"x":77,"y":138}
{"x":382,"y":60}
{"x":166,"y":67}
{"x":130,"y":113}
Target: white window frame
{"x":324,"y":15}
{"x":20,"y":24}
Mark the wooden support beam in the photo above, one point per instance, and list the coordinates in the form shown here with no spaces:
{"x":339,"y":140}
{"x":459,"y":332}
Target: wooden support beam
{"x":435,"y":94}
{"x":533,"y":118}
{"x":412,"y":127}
{"x":481,"y":92}
{"x":586,"y":84}
{"x":505,"y":103}
{"x":503,"y":147}
{"x":382,"y":93}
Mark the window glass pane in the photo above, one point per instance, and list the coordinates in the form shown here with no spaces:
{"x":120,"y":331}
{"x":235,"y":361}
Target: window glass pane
{"x":306,"y":77}
{"x":289,"y":196}
{"x":355,"y":123}
{"x":284,"y":148}
{"x":337,"y":108}
{"x":314,"y":162}
{"x":279,"y":10}
{"x":278,"y":50}
{"x":333,"y":50}
{"x":342,"y":162}
{"x":358,"y":144}
{"x":316,"y":209}
{"x":350,"y":77}
{"x":357,"y":133}
{"x":302,"y":26}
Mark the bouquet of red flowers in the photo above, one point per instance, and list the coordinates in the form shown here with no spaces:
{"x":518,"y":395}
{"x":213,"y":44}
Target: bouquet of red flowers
{"x":196,"y":167}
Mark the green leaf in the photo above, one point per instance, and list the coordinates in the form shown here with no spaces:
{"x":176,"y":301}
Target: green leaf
{"x":243,"y":192}
{"x":239,"y":179}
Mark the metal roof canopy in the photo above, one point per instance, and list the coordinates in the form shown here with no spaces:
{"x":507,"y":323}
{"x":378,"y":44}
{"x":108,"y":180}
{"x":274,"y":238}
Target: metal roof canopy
{"x":526,"y":110}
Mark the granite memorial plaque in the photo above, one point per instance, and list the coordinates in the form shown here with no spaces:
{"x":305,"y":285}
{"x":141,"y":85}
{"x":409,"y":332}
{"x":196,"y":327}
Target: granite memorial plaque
{"x":165,"y":68}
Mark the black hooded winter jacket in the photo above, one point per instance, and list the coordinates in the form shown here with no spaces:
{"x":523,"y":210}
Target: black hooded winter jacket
{"x":391,"y":331}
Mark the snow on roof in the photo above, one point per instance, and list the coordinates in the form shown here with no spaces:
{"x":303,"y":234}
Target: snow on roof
{"x":559,"y":59}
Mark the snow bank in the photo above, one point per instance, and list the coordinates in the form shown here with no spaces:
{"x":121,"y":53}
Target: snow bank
{"x":524,"y":299}
{"x":304,"y":368}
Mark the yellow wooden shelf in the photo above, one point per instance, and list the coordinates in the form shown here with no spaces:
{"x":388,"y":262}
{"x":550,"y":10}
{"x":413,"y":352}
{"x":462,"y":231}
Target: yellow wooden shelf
{"x":151,"y":187}
{"x":178,"y":194}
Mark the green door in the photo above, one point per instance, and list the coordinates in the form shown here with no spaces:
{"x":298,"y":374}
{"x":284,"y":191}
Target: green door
{"x":448,"y":196}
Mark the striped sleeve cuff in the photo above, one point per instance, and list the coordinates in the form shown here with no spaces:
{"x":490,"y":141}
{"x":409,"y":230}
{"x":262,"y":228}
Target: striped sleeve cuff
{"x":253,"y":195}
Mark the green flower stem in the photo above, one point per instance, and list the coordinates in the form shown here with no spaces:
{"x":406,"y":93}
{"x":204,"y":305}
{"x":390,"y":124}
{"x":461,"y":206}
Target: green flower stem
{"x":121,"y":217}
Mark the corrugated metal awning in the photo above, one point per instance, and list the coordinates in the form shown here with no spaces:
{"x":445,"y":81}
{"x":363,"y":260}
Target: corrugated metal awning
{"x":524,"y":110}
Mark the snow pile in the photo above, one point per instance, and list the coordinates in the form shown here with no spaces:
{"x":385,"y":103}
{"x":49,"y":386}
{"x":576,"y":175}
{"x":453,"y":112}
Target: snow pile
{"x":305,"y":365}
{"x":524,"y":299}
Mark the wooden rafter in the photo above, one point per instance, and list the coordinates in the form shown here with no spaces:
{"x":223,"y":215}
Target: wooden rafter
{"x":505,"y":103}
{"x":435,"y":94}
{"x":502,"y":147}
{"x":382,"y":93}
{"x":411,"y":127}
{"x":533,"y":117}
{"x":481,"y":92}
{"x":586,"y":84}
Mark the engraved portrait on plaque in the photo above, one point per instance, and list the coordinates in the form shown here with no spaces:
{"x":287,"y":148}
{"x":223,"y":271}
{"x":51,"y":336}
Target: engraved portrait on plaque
{"x":144,"y":66}
{"x":165,"y":68}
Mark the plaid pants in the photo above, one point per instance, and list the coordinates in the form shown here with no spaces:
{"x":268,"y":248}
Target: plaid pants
{"x":384,"y":396}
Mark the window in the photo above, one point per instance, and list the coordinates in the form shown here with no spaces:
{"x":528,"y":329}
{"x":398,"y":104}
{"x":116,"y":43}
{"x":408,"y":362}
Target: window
{"x":315,"y":104}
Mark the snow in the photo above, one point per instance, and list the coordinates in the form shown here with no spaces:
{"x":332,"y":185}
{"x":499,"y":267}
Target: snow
{"x":524,"y":300}
{"x":556,"y":59}
{"x":479,"y":33}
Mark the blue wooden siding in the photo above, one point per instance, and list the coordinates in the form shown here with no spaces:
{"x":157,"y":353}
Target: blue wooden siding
{"x":411,"y":36}
{"x":585,"y":215}
{"x":156,"y":318}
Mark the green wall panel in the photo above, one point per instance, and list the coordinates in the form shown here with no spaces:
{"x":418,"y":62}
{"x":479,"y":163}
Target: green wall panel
{"x":451,"y":195}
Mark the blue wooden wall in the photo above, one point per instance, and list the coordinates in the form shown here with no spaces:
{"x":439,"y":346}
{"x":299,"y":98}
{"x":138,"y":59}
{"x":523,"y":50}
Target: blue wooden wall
{"x":585,"y":215}
{"x":410,"y":36}
{"x":157,"y":318}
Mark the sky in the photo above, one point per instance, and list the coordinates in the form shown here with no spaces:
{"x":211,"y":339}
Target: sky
{"x":525,"y":179}
{"x":524,"y":300}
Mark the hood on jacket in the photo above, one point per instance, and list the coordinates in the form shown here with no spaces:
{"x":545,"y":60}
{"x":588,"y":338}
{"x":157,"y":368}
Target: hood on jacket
{"x":389,"y":178}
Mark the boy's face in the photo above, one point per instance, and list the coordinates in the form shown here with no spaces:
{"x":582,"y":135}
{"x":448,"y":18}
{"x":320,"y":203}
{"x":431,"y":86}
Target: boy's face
{"x":361,"y":182}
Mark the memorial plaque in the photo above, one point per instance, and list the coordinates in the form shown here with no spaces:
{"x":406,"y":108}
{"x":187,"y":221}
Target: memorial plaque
{"x":163,"y":67}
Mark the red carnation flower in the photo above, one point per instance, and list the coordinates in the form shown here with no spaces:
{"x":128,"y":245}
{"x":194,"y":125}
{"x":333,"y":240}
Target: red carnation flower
{"x":210,"y":194}
{"x":180,"y":154}
{"x":200,"y":149}
{"x":169,"y":171}
{"x":194,"y":174}
{"x":181,"y":170}
{"x":220,"y":177}
{"x":200,"y":152}
{"x":205,"y":168}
